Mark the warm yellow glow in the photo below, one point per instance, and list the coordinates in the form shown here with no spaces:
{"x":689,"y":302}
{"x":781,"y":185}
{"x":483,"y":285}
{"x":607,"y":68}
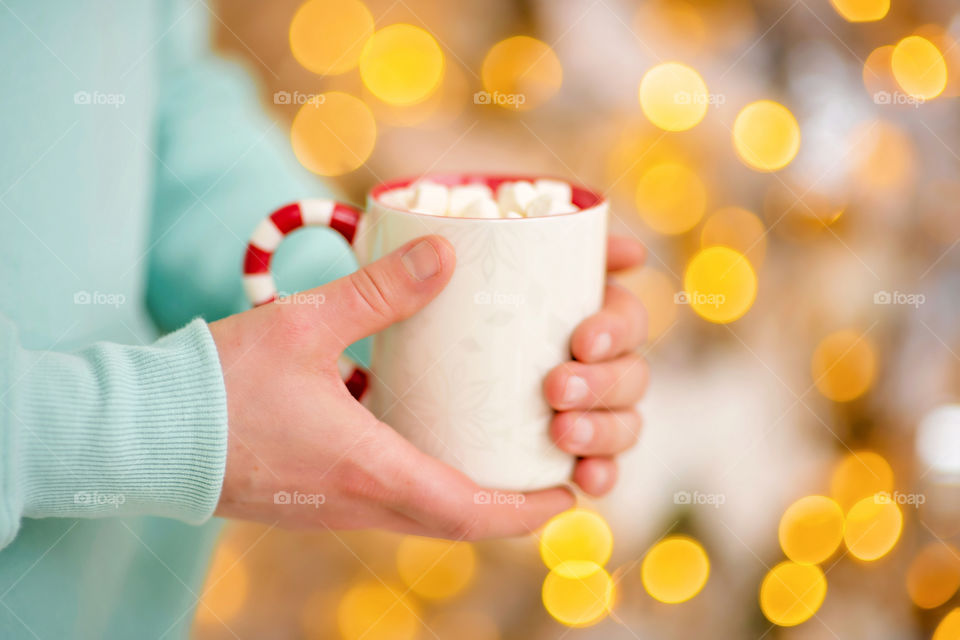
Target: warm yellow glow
{"x":334,"y":135}
{"x":462,"y":624}
{"x":860,"y":474}
{"x":435,"y":569}
{"x":720,"y":285}
{"x":934,"y":575}
{"x":674,"y":96}
{"x":671,"y":198}
{"x":675,"y":569}
{"x":438,"y":111}
{"x":878,"y":71}
{"x":792,"y":593}
{"x":766,"y":136}
{"x":884,"y":157}
{"x":655,"y":289}
{"x":811,"y":529}
{"x":226,"y":587}
{"x":578,"y":540}
{"x":521,"y":73}
{"x":919,"y":67}
{"x":844,"y":365}
{"x":316,"y":623}
{"x":873,"y":527}
{"x":949,"y":627}
{"x":402,"y":64}
{"x":861,"y":10}
{"x":578,"y":598}
{"x":375,"y":611}
{"x":327,"y":36}
{"x":738,"y":229}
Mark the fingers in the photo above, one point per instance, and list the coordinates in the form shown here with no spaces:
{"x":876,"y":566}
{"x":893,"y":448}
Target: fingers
{"x":595,"y":433}
{"x":620,"y":327}
{"x":624,"y":252}
{"x":596,"y":476}
{"x":618,"y":383}
{"x":448,"y":504}
{"x":384,"y":292}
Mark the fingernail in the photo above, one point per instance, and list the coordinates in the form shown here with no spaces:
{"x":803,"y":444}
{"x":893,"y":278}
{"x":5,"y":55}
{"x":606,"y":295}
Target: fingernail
{"x":575,"y":390}
{"x":601,"y":346}
{"x":581,"y":431}
{"x":421,"y":261}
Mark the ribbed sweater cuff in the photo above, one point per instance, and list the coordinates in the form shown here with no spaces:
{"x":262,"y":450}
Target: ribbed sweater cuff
{"x":121,"y":430}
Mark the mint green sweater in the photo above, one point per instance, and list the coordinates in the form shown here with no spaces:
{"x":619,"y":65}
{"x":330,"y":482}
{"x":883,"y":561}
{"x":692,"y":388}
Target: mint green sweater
{"x":133,"y":166}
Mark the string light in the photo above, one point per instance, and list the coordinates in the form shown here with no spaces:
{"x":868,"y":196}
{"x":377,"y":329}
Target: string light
{"x":578,"y":597}
{"x":675,"y":569}
{"x":919,"y":67}
{"x":844,"y":365}
{"x":521,"y":73}
{"x":327,"y":36}
{"x":333,"y":134}
{"x":766,"y":136}
{"x":858,"y":475}
{"x":674,"y":96}
{"x":949,"y":627}
{"x":671,"y":198}
{"x":720,"y":285}
{"x":811,"y":529}
{"x":862,"y":10}
{"x":402,"y":64}
{"x":872,"y":527}
{"x":934,"y":575}
{"x":577,"y":540}
{"x":792,"y":593}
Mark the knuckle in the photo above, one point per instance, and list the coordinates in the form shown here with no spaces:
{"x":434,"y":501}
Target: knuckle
{"x":372,"y":293}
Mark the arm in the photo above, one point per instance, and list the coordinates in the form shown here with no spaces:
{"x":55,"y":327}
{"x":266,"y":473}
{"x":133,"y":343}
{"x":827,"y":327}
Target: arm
{"x":111,"y":430}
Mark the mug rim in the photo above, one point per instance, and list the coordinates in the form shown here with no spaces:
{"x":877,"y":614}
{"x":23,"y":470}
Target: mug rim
{"x":580,"y":194}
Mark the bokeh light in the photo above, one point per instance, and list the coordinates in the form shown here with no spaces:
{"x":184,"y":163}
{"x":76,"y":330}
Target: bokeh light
{"x":872,"y":527}
{"x":327,"y":36}
{"x":655,"y":289}
{"x":792,"y":593}
{"x":878,"y":71}
{"x":862,"y":10}
{"x":673,"y":96}
{"x":575,"y":597}
{"x":919,"y":67}
{"x":720,"y":285}
{"x":844,"y":365}
{"x":373,"y":610}
{"x":576,"y":540}
{"x":766,"y":136}
{"x":859,"y":475}
{"x":402,"y":64}
{"x":811,"y":529}
{"x":934,"y":575}
{"x":433,"y":568}
{"x":949,"y":627}
{"x":521,"y":73}
{"x":334,"y":135}
{"x":226,"y":587}
{"x":671,"y":198}
{"x":738,"y":229}
{"x":675,"y":569}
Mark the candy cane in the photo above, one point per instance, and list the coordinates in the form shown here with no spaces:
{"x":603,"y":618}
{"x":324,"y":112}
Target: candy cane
{"x":258,"y":282}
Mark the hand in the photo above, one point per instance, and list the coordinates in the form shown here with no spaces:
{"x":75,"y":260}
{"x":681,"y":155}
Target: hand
{"x":595,"y":394}
{"x":295,"y":428}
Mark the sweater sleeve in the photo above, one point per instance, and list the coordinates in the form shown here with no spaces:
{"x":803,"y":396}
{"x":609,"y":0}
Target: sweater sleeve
{"x":111,"y":430}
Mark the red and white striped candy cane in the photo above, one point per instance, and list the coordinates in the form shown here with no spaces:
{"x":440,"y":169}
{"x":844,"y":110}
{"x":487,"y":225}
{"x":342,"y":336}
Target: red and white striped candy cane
{"x":258,"y":280}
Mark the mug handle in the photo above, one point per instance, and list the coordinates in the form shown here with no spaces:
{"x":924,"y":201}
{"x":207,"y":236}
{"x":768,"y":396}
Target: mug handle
{"x":258,"y":282}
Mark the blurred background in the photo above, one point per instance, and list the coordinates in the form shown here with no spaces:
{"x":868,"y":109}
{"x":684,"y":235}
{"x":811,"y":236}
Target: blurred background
{"x":792,"y":168}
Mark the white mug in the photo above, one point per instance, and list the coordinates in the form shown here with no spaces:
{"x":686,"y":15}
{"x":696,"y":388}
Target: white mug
{"x":463,"y":378}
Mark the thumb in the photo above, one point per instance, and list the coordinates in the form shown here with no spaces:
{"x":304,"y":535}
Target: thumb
{"x":384,"y":292}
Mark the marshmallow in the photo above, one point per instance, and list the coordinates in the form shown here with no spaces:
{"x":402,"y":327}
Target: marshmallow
{"x":397,"y":198}
{"x":546,"y":204}
{"x":464,"y":195}
{"x":482,"y":208}
{"x":513,"y":214}
{"x":515,"y":196}
{"x":430,"y":197}
{"x":559,"y":191}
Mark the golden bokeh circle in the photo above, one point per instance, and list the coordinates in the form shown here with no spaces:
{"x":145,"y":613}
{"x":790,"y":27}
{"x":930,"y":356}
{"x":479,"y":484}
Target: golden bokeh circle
{"x":578,"y":598}
{"x":949,"y":627}
{"x":861,"y":10}
{"x":872,"y":527}
{"x":844,"y":365}
{"x":671,"y":198}
{"x":675,"y":569}
{"x":576,"y":540}
{"x":811,"y":529}
{"x":720,"y":284}
{"x":327,"y":36}
{"x":673,"y":96}
{"x":766,"y":136}
{"x":792,"y":593}
{"x":373,"y":610}
{"x":520,"y":73}
{"x":858,"y":475}
{"x":934,"y":575}
{"x":402,"y":64}
{"x":334,"y":134}
{"x":919,"y":67}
